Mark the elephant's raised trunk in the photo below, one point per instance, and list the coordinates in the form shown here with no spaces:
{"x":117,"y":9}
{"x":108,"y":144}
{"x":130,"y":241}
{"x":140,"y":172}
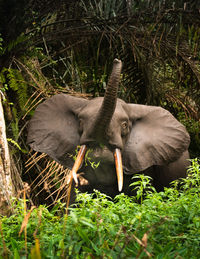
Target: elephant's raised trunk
{"x":102,"y":122}
{"x":107,"y":109}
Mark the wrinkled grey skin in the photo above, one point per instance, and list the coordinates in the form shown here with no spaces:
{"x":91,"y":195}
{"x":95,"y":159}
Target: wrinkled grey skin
{"x":151,"y":140}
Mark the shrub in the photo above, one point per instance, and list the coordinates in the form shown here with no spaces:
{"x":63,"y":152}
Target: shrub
{"x":163,"y":225}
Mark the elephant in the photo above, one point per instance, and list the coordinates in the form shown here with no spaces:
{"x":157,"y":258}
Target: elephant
{"x":122,"y":139}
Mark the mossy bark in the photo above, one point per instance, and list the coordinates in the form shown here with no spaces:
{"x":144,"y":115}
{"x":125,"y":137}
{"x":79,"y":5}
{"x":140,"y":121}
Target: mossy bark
{"x":7,"y":190}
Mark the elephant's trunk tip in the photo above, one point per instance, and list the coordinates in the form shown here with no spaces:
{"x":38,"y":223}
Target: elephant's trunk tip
{"x":117,"y":61}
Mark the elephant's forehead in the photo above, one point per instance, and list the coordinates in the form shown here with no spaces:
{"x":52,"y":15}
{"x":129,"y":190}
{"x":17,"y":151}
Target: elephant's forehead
{"x":119,"y":111}
{"x":93,"y":106}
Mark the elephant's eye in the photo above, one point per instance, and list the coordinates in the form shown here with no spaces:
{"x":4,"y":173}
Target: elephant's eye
{"x":124,"y":127}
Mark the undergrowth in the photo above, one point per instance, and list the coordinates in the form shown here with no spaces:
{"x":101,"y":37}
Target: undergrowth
{"x":162,"y":225}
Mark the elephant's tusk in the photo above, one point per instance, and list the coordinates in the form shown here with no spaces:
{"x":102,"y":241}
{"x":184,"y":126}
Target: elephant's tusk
{"x":119,"y":169}
{"x":78,"y":162}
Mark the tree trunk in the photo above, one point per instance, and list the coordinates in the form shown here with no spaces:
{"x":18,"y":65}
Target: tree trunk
{"x":7,"y":190}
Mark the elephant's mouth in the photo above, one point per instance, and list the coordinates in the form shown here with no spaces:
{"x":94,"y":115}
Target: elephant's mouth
{"x":118,"y":165}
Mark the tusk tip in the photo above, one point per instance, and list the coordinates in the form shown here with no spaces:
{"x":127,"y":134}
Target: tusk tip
{"x":120,"y":188}
{"x":75,"y":178}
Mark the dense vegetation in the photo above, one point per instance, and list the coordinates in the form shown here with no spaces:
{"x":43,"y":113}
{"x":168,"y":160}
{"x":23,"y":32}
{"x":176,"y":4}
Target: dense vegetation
{"x":47,"y":47}
{"x":69,"y":46}
{"x":163,"y":225}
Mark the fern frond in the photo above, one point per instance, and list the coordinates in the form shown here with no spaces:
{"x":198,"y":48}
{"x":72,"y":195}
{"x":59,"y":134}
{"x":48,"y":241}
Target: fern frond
{"x":18,"y":84}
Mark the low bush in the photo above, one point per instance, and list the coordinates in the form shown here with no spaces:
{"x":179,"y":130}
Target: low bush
{"x":161,"y":225}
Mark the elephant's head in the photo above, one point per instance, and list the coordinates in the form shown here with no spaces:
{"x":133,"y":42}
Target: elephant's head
{"x":144,"y":135}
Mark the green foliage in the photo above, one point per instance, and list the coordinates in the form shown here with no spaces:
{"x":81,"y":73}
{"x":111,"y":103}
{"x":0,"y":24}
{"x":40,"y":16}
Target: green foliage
{"x":71,"y":47}
{"x":15,"y":124}
{"x":193,"y":127}
{"x":13,"y":79}
{"x":16,"y":144}
{"x":74,"y":43}
{"x":192,"y":183}
{"x":164,"y":225}
{"x":19,"y":40}
{"x":88,"y":160}
{"x":15,"y":89}
{"x":142,"y":186}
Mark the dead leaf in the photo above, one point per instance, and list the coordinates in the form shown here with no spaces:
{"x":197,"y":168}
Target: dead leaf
{"x":25,"y":221}
{"x":144,"y":240}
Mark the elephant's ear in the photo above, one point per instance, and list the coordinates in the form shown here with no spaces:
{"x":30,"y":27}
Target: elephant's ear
{"x":54,"y":127}
{"x":156,"y":138}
